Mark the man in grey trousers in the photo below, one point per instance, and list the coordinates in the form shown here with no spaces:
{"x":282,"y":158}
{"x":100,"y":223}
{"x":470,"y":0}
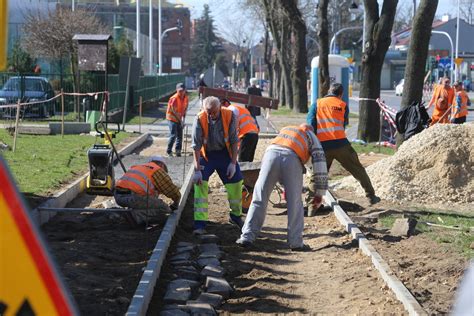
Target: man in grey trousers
{"x":284,"y":162}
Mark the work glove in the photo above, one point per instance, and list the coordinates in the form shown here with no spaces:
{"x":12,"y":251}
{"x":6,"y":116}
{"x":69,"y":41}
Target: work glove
{"x":197,"y":177}
{"x":317,"y":201}
{"x":230,"y":170}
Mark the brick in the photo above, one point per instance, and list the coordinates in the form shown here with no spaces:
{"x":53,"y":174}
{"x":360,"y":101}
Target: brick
{"x":174,"y":312}
{"x":210,"y":254}
{"x":181,"y":263}
{"x":208,"y":247}
{"x":218,"y":286}
{"x":184,"y":244}
{"x":213,"y":271}
{"x":180,"y":290}
{"x":184,"y":249}
{"x":180,"y":257}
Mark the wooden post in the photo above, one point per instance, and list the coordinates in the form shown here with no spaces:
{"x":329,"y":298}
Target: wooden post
{"x":62,"y":112}
{"x":15,"y":135}
{"x":140,"y":115}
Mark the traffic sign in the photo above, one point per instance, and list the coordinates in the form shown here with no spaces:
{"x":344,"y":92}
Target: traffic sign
{"x":3,"y":34}
{"x":458,"y":61}
{"x":350,"y":60}
{"x":29,"y":282}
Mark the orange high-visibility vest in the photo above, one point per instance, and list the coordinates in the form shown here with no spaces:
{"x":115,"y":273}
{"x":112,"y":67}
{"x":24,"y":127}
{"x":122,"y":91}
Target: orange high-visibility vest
{"x":226,"y":117}
{"x":439,"y":111}
{"x":176,"y":108}
{"x":139,"y":179}
{"x":464,"y":100}
{"x":295,"y":138}
{"x":246,"y":122}
{"x":330,"y":119}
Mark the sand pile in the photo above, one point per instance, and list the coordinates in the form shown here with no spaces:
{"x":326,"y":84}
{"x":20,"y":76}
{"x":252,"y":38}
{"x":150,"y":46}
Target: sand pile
{"x":435,"y":166}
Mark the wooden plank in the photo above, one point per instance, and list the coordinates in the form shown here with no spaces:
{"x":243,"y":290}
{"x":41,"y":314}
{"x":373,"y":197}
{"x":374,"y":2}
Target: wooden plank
{"x":242,"y":98}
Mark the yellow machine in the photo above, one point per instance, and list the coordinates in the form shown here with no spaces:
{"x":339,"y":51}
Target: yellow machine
{"x":101,"y":177}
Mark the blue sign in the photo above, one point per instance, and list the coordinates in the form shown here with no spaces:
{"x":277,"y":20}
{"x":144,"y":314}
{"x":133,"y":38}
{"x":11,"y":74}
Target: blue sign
{"x":445,"y":63}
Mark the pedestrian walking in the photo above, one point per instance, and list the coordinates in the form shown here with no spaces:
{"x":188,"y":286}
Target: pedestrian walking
{"x":254,"y":90}
{"x":284,"y":162}
{"x":215,"y":141}
{"x":175,"y":114}
{"x":329,"y":116}
{"x":460,"y":104}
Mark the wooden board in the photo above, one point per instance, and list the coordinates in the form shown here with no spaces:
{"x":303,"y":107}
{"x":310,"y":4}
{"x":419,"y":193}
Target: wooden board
{"x":243,"y":98}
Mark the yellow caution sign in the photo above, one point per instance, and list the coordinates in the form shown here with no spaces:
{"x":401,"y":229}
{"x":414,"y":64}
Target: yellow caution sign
{"x":29,"y":282}
{"x":350,"y":60}
{"x":3,"y":33}
{"x":458,"y":61}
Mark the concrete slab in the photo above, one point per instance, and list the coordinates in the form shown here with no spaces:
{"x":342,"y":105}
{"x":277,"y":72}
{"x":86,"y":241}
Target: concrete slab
{"x":70,"y":127}
{"x":208,"y":238}
{"x":215,"y":300}
{"x":208,"y":261}
{"x":218,"y":286}
{"x":213,"y":271}
{"x":199,"y":308}
{"x":208,"y":247}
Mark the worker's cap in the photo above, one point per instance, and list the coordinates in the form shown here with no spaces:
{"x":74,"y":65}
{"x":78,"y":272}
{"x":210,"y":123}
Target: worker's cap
{"x":158,"y":159}
{"x":224,"y":100}
{"x":180,"y":86}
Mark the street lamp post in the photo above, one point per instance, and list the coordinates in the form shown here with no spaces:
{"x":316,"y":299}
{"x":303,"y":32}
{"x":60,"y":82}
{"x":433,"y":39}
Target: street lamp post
{"x":332,"y":46}
{"x":457,"y":44}
{"x":160,"y":66}
{"x":150,"y":38}
{"x":452,"y":49}
{"x":138,"y":29}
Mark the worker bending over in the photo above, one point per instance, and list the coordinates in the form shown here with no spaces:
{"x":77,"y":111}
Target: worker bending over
{"x":460,"y":104}
{"x":140,"y":188}
{"x":284,"y":162}
{"x":215,"y":141}
{"x":329,"y":116}
{"x":442,"y":99}
{"x":175,"y":114}
{"x":247,"y":130}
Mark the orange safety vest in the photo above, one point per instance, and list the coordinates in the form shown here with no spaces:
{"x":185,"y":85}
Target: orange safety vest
{"x":464,"y":100}
{"x":246,"y":122}
{"x":139,"y":179}
{"x":330,"y":119}
{"x":176,"y":108}
{"x":439,"y":111}
{"x":295,"y":138}
{"x":226,"y":117}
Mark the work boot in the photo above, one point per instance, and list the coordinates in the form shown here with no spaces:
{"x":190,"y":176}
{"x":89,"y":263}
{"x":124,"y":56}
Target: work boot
{"x":170,"y":154}
{"x":373,"y":199}
{"x":236,"y":220}
{"x":178,"y":154}
{"x":302,"y":248}
{"x":243,"y":243}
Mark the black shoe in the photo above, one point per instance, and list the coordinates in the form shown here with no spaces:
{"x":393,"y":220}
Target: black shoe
{"x":236,"y":220}
{"x":302,"y":248}
{"x":178,"y":154}
{"x":373,"y":199}
{"x":243,"y":243}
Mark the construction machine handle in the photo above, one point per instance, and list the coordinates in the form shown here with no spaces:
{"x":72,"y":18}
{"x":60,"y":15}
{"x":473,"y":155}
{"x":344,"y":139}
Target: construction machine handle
{"x":102,"y":124}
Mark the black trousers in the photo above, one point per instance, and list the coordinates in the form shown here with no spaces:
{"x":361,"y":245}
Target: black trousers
{"x":460,"y":120}
{"x":248,"y":143}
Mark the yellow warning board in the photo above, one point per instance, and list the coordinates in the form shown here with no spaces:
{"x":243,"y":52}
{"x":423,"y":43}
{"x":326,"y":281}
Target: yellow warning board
{"x":350,"y":60}
{"x":29,"y":282}
{"x":3,"y":33}
{"x":458,"y":61}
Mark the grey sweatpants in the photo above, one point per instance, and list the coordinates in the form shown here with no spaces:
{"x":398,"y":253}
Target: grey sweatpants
{"x":284,"y":166}
{"x":143,"y":208}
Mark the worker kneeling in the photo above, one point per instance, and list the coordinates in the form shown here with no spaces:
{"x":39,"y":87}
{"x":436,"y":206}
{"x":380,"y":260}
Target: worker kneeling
{"x":284,"y":162}
{"x":140,"y":188}
{"x":215,"y":144}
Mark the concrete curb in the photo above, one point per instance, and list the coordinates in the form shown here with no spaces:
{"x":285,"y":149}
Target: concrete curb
{"x":402,"y":293}
{"x":142,"y":297}
{"x":60,"y":199}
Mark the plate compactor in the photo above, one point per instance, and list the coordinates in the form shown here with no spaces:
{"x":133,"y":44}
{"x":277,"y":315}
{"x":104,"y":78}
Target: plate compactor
{"x":101,"y":177}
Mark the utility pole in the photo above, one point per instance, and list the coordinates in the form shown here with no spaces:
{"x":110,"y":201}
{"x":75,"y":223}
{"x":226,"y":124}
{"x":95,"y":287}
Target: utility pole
{"x":160,"y":58}
{"x":150,"y":38}
{"x":138,"y":29}
{"x":457,"y":45}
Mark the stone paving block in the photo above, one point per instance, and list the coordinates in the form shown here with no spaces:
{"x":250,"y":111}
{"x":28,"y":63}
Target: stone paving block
{"x":208,"y":261}
{"x":184,"y":249}
{"x":208,"y":239}
{"x":180,"y":257}
{"x":209,"y":247}
{"x":218,"y":286}
{"x":187,"y":274}
{"x":215,"y":300}
{"x":174,"y":312}
{"x":181,"y":263}
{"x":213,"y":271}
{"x":180,"y":290}
{"x":403,"y":227}
{"x":184,"y":244}
{"x":210,"y":254}
{"x":198,"y":308}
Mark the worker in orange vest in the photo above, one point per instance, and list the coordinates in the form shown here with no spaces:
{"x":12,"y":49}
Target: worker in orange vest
{"x":247,"y":130}
{"x":140,"y":188}
{"x":329,"y":116}
{"x":442,"y":99}
{"x":215,"y":141}
{"x":284,"y":162}
{"x":460,"y":104}
{"x":175,"y":114}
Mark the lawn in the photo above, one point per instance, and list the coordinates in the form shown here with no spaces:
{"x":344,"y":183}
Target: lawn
{"x":365,"y":149}
{"x":42,"y":163}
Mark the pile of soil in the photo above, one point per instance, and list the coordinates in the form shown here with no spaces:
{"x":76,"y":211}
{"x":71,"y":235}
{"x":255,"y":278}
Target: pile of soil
{"x":435,"y":165}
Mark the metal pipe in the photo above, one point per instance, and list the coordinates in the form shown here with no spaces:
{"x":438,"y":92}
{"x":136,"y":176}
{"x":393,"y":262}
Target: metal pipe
{"x":150,"y":38}
{"x":138,"y":29}
{"x":452,"y":50}
{"x":333,"y":39}
{"x":160,"y":61}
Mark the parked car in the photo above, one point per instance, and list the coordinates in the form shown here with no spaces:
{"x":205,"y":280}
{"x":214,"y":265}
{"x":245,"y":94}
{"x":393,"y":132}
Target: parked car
{"x":28,"y":89}
{"x":399,"y":87}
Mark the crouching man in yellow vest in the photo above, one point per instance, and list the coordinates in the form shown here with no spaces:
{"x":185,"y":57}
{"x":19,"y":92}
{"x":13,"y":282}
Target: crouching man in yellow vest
{"x":215,"y":141}
{"x":140,"y":188}
{"x":284,"y":162}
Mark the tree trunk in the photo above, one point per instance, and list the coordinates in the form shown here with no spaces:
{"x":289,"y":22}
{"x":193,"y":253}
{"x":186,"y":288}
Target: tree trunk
{"x":323,"y":38}
{"x":285,"y":56}
{"x":418,"y":54}
{"x":267,"y":55}
{"x":277,"y":79}
{"x":377,"y":35}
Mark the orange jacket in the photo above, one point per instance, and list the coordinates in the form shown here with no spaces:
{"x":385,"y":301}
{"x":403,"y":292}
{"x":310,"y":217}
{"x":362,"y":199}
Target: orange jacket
{"x":226,"y":117}
{"x":138,"y":178}
{"x":295,"y":138}
{"x":459,"y":108}
{"x":441,"y":107}
{"x":330,"y":119}
{"x":246,"y":122}
{"x":176,"y":108}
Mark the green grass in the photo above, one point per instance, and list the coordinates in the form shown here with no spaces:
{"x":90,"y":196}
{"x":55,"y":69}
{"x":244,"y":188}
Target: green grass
{"x":286,"y":111}
{"x":42,"y":163}
{"x":353,"y":115}
{"x":460,"y":240}
{"x":365,"y":149}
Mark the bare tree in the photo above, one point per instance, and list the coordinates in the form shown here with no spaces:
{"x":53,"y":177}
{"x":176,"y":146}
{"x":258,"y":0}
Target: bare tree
{"x":323,"y":36}
{"x":466,"y":10}
{"x":403,"y":18}
{"x":377,"y":41}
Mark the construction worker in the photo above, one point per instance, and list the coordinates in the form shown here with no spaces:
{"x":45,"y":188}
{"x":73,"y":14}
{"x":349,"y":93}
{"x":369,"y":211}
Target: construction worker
{"x":284,"y":162}
{"x":460,"y":104}
{"x":254,"y":90}
{"x":329,"y":117}
{"x":215,"y":141}
{"x":247,"y":130}
{"x":175,"y":114}
{"x":442,"y":99}
{"x":140,"y":188}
